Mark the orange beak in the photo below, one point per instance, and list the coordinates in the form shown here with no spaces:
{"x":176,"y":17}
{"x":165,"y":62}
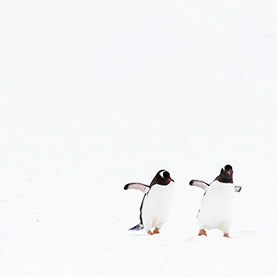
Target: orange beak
{"x":229,"y":172}
{"x":171,"y":180}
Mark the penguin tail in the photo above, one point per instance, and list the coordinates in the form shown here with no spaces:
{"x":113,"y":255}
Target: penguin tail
{"x":137,"y":227}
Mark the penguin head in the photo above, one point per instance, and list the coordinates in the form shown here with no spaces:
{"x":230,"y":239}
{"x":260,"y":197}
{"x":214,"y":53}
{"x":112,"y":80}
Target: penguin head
{"x":226,"y":174}
{"x":228,"y":170}
{"x":162,"y":178}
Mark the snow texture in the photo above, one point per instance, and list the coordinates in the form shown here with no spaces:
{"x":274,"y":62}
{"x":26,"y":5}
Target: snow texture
{"x":98,"y":94}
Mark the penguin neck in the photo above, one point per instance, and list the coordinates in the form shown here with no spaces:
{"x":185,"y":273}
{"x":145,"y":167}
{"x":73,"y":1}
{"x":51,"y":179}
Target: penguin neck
{"x":156,"y":184}
{"x":222,"y":179}
{"x":162,"y":187}
{"x":159,"y":182}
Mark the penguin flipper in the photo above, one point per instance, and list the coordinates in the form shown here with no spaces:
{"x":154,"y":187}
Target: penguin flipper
{"x":198,"y":183}
{"x":137,"y":186}
{"x":137,"y":227}
{"x":238,"y":188}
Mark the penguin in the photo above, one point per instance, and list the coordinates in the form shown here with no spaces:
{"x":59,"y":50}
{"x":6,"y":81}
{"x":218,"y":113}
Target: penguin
{"x":156,"y":203}
{"x":216,"y":210}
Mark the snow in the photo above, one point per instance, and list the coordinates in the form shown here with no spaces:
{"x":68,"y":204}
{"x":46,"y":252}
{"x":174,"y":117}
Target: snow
{"x":97,"y":95}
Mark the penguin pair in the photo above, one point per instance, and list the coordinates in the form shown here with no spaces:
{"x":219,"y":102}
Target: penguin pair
{"x":216,"y":206}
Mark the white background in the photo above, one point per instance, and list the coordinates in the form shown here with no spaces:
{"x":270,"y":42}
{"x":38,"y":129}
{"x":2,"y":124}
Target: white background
{"x":98,"y":94}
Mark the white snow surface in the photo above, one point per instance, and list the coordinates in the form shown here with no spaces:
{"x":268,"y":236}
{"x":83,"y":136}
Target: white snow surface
{"x":97,"y":94}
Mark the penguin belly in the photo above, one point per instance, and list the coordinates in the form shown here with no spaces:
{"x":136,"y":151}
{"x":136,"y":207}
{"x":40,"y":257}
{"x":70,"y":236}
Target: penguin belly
{"x":157,"y":205}
{"x":217,"y":205}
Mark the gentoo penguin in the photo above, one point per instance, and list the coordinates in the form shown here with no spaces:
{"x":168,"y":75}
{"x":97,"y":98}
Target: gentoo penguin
{"x":217,"y":203}
{"x":156,"y":203}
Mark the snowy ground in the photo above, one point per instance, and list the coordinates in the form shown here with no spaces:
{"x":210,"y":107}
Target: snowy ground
{"x":94,"y":96}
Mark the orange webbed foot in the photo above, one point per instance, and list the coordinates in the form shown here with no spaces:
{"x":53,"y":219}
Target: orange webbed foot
{"x":156,"y":231}
{"x":202,"y":232}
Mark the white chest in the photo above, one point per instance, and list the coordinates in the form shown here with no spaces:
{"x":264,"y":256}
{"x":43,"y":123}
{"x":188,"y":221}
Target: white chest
{"x":219,"y":195}
{"x":159,"y":200}
{"x":217,"y":206}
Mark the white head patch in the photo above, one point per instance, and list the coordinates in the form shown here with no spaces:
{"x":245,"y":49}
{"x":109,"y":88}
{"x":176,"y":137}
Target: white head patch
{"x":162,"y":173}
